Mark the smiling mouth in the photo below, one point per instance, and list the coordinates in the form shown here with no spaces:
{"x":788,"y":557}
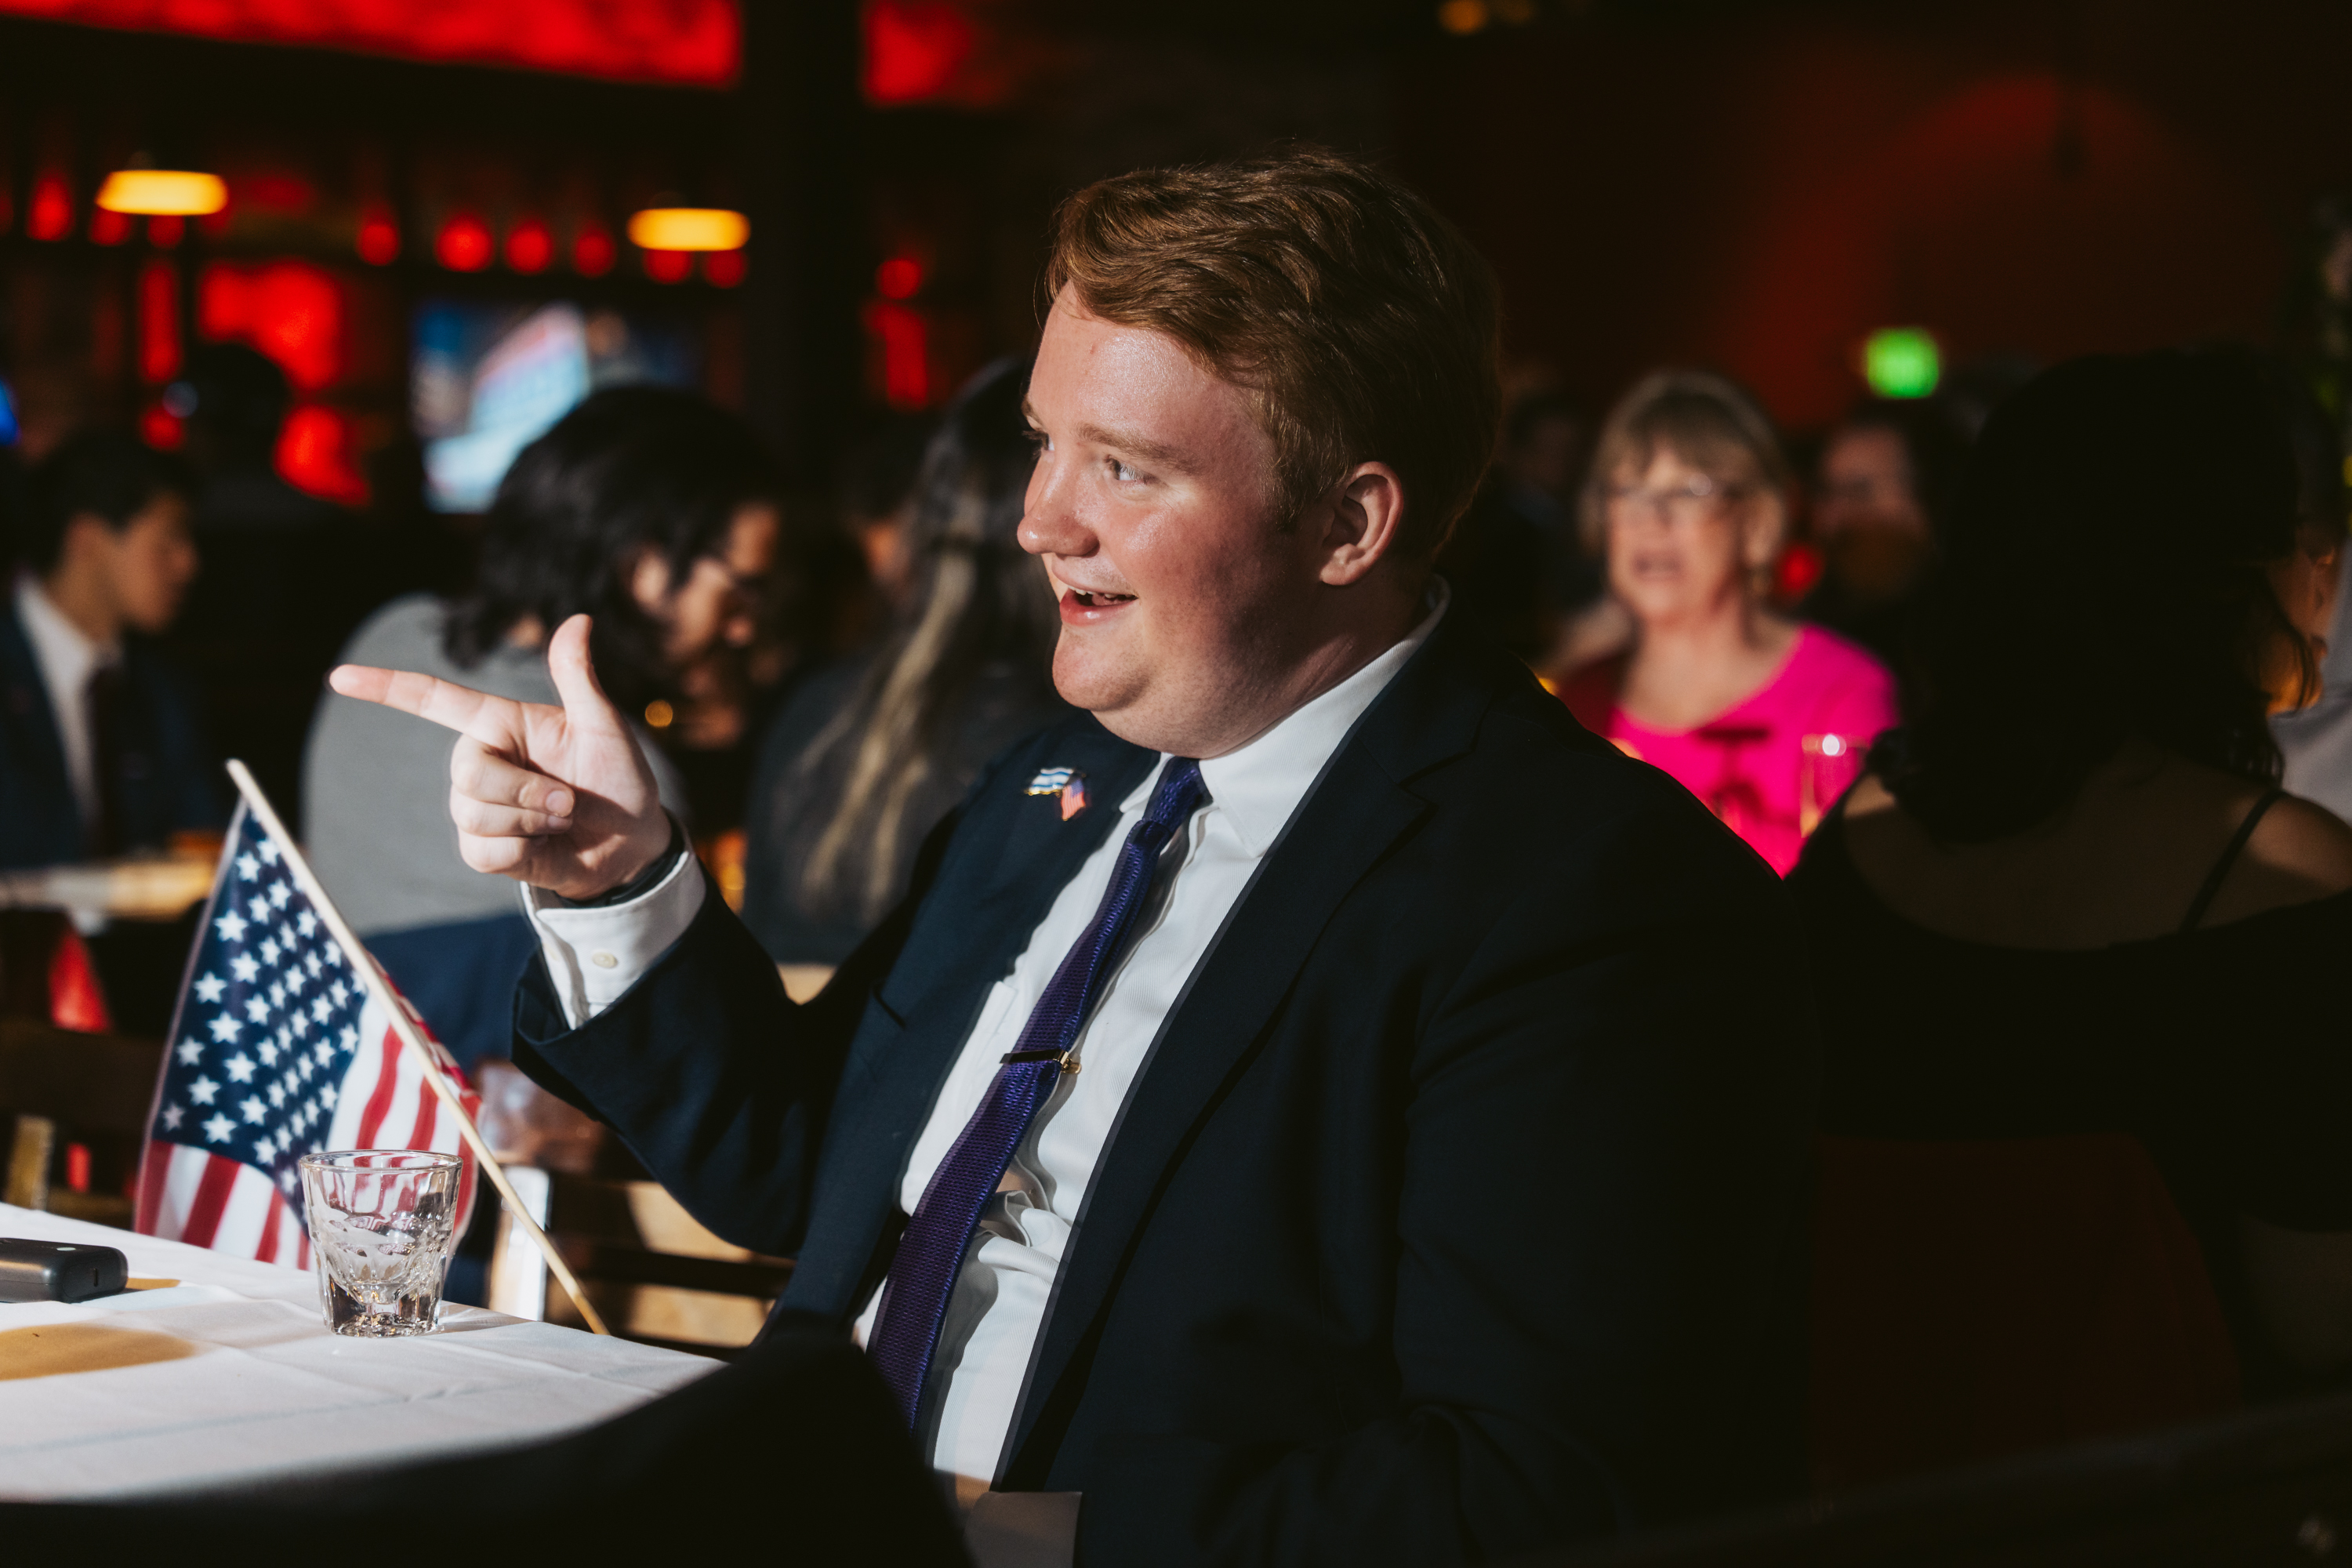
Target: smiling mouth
{"x":1099,"y":601}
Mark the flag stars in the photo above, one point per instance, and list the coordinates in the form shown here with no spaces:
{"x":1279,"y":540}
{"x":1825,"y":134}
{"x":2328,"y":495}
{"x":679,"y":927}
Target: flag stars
{"x":217,"y":1128}
{"x":248,"y":868}
{"x":269,"y":851}
{"x":171,"y":1118}
{"x":327,"y":1096}
{"x":310,"y":960}
{"x":269,"y":951}
{"x":278,"y":994}
{"x":190,"y":1053}
{"x":256,"y":1009}
{"x":231,"y":926}
{"x":258,"y":909}
{"x":225,"y":1029}
{"x":278,"y":894}
{"x":240,"y":1068}
{"x":203,"y":1090}
{"x":336,"y":993}
{"x":307,"y":924}
{"x":278,"y":1094}
{"x":300,"y":1024}
{"x":253,"y":1109}
{"x":244,"y":968}
{"x":320,"y":1011}
{"x":209,"y":987}
{"x":325,"y":1053}
{"x":349,"y":1039}
{"x":267,"y":1051}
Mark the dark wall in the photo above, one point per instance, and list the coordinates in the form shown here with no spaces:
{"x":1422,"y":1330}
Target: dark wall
{"x":1757,"y":186}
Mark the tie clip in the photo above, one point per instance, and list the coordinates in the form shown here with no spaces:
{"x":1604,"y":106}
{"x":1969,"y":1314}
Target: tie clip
{"x":1067,"y":1061}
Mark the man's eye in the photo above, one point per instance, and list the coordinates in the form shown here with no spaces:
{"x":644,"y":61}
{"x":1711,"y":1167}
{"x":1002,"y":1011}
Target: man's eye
{"x":1121,"y":473}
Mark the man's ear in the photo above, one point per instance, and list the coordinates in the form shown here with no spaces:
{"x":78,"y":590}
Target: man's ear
{"x":648,"y":579}
{"x":1362,"y":516}
{"x":84,"y":532}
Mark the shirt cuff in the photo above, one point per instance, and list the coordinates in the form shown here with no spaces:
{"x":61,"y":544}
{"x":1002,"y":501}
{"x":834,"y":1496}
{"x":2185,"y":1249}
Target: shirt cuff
{"x":1023,"y":1530}
{"x":595,"y":953}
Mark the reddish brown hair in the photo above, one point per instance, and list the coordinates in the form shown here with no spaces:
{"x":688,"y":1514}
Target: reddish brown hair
{"x":1362,"y":324}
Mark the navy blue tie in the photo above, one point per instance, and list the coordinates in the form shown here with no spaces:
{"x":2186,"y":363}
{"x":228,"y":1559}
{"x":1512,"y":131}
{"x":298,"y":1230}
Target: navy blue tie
{"x":931,"y":1251}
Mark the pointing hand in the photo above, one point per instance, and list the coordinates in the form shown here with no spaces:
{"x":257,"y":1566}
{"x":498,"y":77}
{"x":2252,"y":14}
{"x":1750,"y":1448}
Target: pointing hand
{"x":561,"y":798}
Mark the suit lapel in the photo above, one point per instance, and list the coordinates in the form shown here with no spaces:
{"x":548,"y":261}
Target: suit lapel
{"x":33,"y":725}
{"x":1355,"y":813}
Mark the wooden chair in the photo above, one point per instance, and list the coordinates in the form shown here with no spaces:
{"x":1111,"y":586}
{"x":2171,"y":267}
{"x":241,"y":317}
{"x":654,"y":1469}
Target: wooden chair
{"x":62,"y":1090}
{"x":653,"y":1272}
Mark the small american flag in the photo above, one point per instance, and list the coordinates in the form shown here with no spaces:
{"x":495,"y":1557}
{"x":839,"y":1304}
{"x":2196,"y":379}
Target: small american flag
{"x":276,"y":1050}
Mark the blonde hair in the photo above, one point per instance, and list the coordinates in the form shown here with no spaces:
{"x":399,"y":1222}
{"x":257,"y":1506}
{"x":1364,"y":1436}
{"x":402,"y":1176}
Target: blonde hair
{"x":1709,"y":421}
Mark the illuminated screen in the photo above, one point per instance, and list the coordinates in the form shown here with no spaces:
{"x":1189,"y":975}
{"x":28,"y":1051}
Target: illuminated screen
{"x":486,"y":380}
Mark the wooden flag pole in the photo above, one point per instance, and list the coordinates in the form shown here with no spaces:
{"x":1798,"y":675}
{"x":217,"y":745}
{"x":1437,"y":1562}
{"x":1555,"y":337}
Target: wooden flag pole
{"x":405,"y":1027}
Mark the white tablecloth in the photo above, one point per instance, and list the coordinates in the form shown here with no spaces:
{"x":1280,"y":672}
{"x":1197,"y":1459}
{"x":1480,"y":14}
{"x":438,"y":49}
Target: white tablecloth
{"x":231,"y":1377}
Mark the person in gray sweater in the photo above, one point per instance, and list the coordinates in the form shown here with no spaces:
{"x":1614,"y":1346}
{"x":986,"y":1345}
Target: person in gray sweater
{"x":650,"y":511}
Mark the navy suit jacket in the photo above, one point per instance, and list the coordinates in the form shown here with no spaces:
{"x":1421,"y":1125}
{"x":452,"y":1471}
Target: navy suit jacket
{"x":1457,"y":1209}
{"x":171,"y":781}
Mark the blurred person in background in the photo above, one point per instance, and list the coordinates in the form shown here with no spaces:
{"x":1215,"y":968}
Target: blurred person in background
{"x":101,"y":748}
{"x":1888,"y":474}
{"x":1688,"y":498}
{"x":288,"y":574}
{"x":2071,"y":941}
{"x":2315,"y":742}
{"x":651,"y":511}
{"x":1516,"y":563}
{"x":869,"y":755}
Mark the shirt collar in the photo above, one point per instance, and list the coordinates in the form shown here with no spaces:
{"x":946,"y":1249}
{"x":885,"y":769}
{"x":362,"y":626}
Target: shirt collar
{"x":64,"y":650}
{"x":1259,"y":785}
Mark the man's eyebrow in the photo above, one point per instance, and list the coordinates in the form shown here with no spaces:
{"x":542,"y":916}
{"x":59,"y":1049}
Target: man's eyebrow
{"x":1159,"y":454}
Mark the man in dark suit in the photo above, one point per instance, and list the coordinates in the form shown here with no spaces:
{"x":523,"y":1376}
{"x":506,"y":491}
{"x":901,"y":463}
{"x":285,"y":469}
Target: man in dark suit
{"x":1321,"y":1107}
{"x":100,"y":748}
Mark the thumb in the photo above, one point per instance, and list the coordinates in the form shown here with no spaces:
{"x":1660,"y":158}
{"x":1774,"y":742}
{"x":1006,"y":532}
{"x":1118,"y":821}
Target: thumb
{"x":574,"y":675}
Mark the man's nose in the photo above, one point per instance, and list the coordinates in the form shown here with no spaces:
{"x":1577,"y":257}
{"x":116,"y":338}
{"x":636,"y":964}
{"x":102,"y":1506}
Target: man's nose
{"x":1050,"y":524}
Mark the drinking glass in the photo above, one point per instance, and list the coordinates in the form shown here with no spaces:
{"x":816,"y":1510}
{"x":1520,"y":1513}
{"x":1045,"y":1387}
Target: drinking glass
{"x":1827,"y":766}
{"x":383,"y":1225}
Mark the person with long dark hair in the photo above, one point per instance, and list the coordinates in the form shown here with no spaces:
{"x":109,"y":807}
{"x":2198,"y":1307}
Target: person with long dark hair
{"x":647,"y":509}
{"x":869,"y":755}
{"x":2087,"y":1141}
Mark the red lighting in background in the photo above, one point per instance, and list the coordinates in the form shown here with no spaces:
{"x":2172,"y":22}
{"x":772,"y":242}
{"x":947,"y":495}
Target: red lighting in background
{"x":695,"y":42}
{"x":160,"y":428}
{"x":316,"y":453}
{"x":464,"y":244}
{"x":900,"y":277}
{"x":529,"y":248}
{"x":904,"y":339}
{"x":723,"y":268}
{"x":109,"y":227}
{"x":166,"y":230}
{"x":51,"y":215}
{"x":290,"y":310}
{"x":914,"y":49}
{"x":379,"y":237}
{"x":1799,"y":569}
{"x":668,"y":266}
{"x":593,"y":251}
{"x":158,"y":323}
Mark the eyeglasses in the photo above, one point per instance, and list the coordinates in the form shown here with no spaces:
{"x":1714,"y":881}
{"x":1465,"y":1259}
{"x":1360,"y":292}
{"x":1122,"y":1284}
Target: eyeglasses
{"x":1690,"y":502}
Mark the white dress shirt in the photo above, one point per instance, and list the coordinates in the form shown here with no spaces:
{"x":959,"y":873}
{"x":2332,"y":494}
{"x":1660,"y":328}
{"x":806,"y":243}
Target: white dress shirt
{"x":999,"y":1304}
{"x":67,"y":659}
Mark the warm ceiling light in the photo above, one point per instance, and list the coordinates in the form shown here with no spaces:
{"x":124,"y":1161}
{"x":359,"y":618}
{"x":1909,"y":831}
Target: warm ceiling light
{"x":689,"y":228}
{"x":162,"y":193}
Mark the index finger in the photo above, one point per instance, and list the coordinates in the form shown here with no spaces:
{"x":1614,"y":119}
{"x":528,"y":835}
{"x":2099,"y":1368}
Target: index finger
{"x":447,"y":703}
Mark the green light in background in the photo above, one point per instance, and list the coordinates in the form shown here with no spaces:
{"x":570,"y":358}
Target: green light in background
{"x":1902,"y":361}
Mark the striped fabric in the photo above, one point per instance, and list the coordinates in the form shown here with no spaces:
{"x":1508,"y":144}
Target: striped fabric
{"x":278,"y":1051}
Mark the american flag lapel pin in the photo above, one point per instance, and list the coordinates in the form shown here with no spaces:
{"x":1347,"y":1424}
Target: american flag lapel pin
{"x":1067,"y":783}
